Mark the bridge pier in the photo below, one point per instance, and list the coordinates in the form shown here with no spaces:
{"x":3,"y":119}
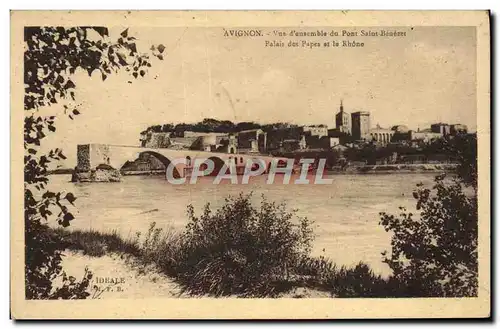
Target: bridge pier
{"x":93,"y":164}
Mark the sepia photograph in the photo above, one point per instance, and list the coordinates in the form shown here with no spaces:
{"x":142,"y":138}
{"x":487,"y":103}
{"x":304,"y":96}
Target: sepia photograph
{"x":220,"y":160}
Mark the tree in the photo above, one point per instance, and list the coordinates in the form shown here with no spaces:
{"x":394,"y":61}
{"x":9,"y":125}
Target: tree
{"x":434,"y":253}
{"x":52,"y":56}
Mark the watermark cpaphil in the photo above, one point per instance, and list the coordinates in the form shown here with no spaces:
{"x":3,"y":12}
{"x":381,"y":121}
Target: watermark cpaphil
{"x":305,"y":171}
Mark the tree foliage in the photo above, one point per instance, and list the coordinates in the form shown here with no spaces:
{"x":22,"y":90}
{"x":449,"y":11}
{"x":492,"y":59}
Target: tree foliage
{"x":52,"y":56}
{"x":434,"y":252}
{"x":213,"y":125}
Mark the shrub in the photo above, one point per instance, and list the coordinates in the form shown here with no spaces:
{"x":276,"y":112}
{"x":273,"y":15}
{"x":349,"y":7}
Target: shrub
{"x":72,"y":289}
{"x":241,"y":250}
{"x":435,"y":254}
{"x":43,"y":254}
{"x":359,"y":281}
{"x":344,"y":282}
{"x":160,"y":247}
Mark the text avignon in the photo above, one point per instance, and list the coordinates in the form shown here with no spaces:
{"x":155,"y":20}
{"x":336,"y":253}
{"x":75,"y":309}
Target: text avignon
{"x":243,"y":33}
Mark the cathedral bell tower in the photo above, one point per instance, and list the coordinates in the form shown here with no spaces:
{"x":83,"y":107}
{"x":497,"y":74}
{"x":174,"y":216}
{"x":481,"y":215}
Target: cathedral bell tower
{"x":343,"y":120}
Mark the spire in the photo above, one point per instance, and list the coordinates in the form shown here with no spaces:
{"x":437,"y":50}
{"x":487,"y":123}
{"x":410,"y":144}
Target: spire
{"x":341,"y":106}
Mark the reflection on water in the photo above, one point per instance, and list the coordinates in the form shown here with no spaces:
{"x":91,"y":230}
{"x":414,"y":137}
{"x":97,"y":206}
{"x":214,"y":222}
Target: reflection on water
{"x":345,"y":213}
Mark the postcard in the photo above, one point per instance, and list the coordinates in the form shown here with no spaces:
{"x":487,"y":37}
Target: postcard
{"x":250,"y":164}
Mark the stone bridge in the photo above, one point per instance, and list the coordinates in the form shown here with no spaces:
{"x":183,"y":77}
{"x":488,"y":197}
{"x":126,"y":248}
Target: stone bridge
{"x":90,"y":156}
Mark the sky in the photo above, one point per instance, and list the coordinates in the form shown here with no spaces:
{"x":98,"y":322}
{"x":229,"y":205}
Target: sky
{"x":426,"y":77}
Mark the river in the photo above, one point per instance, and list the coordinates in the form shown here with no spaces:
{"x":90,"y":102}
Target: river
{"x":345,"y":213}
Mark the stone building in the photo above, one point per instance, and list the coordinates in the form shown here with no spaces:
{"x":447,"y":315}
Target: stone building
{"x":343,"y":137}
{"x":381,"y":135}
{"x":320,"y":131}
{"x":275,"y":138}
{"x":360,"y":125}
{"x":457,"y":128}
{"x":252,"y":141}
{"x":207,"y":142}
{"x":323,"y":142}
{"x":182,"y":143}
{"x":425,"y":136}
{"x":305,"y":137}
{"x":155,"y":140}
{"x":417,"y":137}
{"x":441,"y":128}
{"x":232,"y":145}
{"x":334,"y":141}
{"x":343,"y":121}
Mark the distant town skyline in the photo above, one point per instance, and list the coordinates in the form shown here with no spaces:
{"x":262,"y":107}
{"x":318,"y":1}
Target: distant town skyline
{"x":330,"y":125}
{"x":427,"y":77}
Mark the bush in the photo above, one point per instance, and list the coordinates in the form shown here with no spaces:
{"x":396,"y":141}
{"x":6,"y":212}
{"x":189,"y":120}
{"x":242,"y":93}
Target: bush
{"x":360,"y":281}
{"x":43,"y":254}
{"x":435,"y":254}
{"x":241,"y":250}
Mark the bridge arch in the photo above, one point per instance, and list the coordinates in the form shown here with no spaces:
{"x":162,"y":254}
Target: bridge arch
{"x":218,"y":164}
{"x":164,"y":160}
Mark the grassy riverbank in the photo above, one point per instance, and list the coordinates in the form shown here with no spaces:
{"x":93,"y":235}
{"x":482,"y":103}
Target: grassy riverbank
{"x":159,"y":253}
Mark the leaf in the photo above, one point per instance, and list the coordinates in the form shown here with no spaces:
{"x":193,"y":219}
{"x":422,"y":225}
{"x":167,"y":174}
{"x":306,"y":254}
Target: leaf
{"x":103,"y":31}
{"x":69,"y":84}
{"x":161,"y":48}
{"x":124,"y":33}
{"x":160,"y":57}
{"x":66,"y":219}
{"x":142,"y":73}
{"x":76,"y":112}
{"x":70,"y":197}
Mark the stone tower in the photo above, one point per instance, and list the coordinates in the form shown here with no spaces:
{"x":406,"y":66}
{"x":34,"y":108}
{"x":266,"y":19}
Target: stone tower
{"x":361,"y":125}
{"x":343,"y":120}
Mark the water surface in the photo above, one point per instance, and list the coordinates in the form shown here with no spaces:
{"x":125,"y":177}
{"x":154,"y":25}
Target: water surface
{"x":345,"y":213}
